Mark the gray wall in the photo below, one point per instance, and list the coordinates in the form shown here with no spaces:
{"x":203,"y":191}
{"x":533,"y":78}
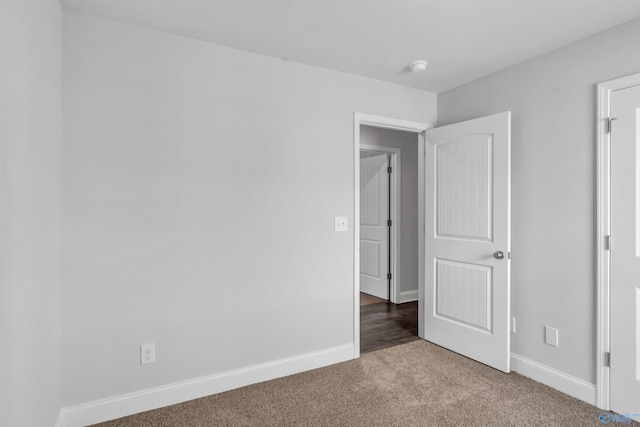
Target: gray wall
{"x":30,"y":145}
{"x":200,"y":189}
{"x":552,"y":98}
{"x":408,"y":143}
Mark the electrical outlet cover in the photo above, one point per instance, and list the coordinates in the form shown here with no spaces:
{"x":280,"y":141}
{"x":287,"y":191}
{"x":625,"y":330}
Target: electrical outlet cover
{"x":341,"y":223}
{"x":147,"y":353}
{"x":551,"y":336}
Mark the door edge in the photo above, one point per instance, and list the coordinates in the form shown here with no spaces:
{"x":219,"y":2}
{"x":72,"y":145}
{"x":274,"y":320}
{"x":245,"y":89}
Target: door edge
{"x":603,"y":275}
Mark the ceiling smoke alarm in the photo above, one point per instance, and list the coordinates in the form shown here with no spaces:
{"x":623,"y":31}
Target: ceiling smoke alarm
{"x":418,"y":66}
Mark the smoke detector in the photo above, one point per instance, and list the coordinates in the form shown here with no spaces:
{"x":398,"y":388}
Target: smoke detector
{"x":418,"y":66}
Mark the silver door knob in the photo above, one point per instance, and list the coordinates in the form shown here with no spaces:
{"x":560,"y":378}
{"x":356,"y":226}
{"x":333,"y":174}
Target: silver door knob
{"x":498,"y":255}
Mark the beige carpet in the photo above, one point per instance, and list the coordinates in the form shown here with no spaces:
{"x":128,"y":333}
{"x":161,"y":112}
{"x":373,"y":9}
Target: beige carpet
{"x":414,"y":384}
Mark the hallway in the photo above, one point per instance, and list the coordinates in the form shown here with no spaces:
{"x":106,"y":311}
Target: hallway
{"x":383,"y":324}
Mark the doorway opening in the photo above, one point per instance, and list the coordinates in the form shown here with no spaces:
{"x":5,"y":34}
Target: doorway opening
{"x":366,"y":120}
{"x":389,"y":229}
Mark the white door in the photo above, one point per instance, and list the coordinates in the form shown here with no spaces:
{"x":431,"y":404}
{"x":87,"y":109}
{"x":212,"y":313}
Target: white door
{"x":374,"y":232}
{"x":467,"y":238}
{"x":625,"y":252}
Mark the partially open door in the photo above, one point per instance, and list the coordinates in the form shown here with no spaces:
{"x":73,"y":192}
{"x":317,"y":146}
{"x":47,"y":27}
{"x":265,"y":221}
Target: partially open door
{"x":467,"y":238}
{"x":374,"y":230}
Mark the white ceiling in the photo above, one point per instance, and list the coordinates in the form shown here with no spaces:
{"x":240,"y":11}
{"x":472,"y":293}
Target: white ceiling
{"x":462,"y":39}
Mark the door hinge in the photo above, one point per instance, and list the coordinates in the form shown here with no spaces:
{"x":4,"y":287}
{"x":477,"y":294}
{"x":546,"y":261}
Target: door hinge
{"x":388,"y":223}
{"x":388,"y":276}
{"x":607,"y":359}
{"x":609,"y":120}
{"x":389,"y":169}
{"x":607,"y":243}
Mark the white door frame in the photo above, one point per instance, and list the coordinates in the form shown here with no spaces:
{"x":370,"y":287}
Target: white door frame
{"x":360,"y":119}
{"x":604,"y":230}
{"x":395,"y":162}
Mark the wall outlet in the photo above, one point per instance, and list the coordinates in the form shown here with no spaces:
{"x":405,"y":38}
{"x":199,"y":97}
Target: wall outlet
{"x":551,"y":336}
{"x":513,"y":324}
{"x":147,"y":353}
{"x":341,"y":223}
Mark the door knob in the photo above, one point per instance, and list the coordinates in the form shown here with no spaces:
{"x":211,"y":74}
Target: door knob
{"x":498,"y":255}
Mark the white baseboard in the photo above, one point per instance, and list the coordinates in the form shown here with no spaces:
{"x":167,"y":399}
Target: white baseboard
{"x":561,"y":381}
{"x":408,"y":296}
{"x":145,"y":400}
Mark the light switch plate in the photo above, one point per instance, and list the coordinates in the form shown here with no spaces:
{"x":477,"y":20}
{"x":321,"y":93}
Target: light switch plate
{"x":341,"y":223}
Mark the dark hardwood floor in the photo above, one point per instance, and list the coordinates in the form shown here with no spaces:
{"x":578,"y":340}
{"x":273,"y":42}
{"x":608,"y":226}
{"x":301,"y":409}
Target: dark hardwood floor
{"x":385,"y":324}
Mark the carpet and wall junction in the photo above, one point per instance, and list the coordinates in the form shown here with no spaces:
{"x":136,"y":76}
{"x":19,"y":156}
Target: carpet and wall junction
{"x":413,"y":384}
